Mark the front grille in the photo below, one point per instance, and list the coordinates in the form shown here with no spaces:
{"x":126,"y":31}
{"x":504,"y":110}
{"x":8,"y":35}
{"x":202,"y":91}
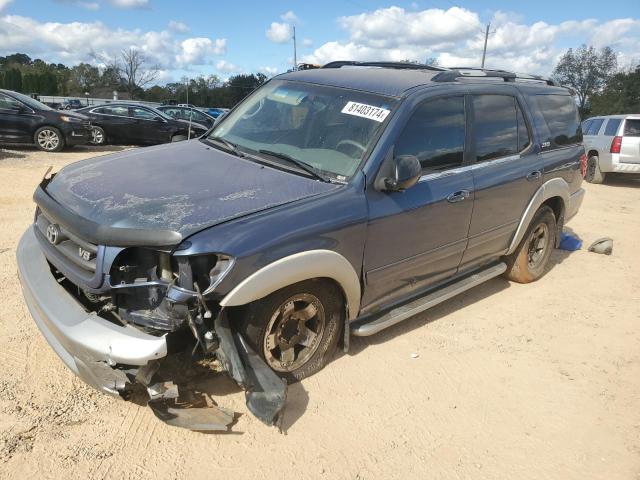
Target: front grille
{"x":80,"y":253}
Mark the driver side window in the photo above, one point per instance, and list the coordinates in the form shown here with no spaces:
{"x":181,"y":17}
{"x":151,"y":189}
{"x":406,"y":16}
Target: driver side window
{"x":435,"y":134}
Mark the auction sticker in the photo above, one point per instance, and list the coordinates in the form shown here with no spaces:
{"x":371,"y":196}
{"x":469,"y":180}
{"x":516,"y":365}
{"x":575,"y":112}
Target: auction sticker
{"x":365,"y":111}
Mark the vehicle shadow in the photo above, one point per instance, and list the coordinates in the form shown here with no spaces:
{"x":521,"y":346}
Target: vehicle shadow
{"x":491,"y":287}
{"x":622,"y":180}
{"x":10,"y":155}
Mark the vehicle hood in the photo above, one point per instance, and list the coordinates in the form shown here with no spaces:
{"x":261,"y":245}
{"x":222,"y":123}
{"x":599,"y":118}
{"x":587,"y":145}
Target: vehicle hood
{"x":182,"y":187}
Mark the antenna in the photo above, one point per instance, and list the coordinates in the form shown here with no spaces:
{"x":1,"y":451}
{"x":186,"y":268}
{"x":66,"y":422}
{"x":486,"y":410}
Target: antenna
{"x":295,"y":50}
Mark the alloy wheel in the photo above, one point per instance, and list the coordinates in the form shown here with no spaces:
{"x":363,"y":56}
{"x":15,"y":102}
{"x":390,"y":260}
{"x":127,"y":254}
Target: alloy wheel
{"x":538,"y":243}
{"x":48,"y":139}
{"x":294,"y":332}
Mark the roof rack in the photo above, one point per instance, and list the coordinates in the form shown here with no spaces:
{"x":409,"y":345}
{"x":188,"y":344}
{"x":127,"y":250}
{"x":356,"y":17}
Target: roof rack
{"x":398,"y":65}
{"x":459,"y":72}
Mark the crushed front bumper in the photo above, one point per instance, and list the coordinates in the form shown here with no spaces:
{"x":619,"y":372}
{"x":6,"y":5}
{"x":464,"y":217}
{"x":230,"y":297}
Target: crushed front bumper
{"x":89,"y":345}
{"x":109,"y":356}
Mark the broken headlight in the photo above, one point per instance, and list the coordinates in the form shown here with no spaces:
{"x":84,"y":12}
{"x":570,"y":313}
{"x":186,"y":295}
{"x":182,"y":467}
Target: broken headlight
{"x":217,"y":272}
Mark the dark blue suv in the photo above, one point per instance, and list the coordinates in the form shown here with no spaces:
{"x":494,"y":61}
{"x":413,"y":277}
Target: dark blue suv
{"x":330,"y":202}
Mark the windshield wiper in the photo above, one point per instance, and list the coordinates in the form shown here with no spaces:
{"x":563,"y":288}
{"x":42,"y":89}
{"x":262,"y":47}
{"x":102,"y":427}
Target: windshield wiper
{"x":228,"y":146}
{"x":310,"y":169}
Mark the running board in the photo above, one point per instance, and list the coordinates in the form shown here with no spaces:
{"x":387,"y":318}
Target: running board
{"x":408,"y":310}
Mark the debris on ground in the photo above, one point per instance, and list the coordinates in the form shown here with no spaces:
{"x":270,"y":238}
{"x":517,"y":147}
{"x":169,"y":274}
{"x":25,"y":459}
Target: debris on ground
{"x":569,"y":242}
{"x":602,"y":245}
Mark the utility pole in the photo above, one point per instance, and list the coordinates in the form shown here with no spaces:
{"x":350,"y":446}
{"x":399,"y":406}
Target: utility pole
{"x":486,"y":37}
{"x":295,"y":50}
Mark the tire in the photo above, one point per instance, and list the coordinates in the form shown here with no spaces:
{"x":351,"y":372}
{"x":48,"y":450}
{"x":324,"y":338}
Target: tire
{"x":98,"y":137}
{"x":178,"y":138}
{"x":49,"y":139}
{"x":270,"y":323}
{"x":528,"y":263}
{"x":594,"y":175}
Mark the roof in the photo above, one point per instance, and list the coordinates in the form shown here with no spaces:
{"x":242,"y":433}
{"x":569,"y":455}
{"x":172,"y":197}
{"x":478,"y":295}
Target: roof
{"x":383,"y":81}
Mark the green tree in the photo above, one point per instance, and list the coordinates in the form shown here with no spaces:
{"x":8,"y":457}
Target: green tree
{"x":13,"y":80}
{"x":621,"y":95}
{"x":84,"y":78}
{"x":586,"y":70}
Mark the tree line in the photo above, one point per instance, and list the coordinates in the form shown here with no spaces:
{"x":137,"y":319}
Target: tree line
{"x":601,"y":88}
{"x":128,"y":73}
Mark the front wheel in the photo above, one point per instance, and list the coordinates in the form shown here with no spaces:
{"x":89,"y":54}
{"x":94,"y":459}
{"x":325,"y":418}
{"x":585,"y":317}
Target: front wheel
{"x":296,"y":329}
{"x":529,"y":261}
{"x":98,"y":136}
{"x":49,"y":139}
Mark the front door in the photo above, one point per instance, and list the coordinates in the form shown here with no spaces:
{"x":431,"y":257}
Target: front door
{"x":15,"y":121}
{"x":148,"y":127}
{"x":416,"y":238}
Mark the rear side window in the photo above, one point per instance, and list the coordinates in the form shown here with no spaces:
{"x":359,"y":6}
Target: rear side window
{"x":632,"y":128}
{"x":594,"y":127}
{"x":499,"y":125}
{"x":585,"y":126}
{"x":560,"y":123}
{"x":8,"y":103}
{"x":118,"y":111}
{"x":435,"y":134}
{"x":612,"y":127}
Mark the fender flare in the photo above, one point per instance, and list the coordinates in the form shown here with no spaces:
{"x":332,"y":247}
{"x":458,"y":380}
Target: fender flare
{"x":297,"y":268}
{"x":556,"y":187}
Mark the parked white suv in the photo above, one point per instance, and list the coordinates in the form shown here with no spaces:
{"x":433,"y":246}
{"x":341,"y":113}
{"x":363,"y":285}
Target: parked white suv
{"x":612,"y":144}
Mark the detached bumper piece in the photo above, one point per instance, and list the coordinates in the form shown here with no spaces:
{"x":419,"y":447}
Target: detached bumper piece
{"x":265,"y":392}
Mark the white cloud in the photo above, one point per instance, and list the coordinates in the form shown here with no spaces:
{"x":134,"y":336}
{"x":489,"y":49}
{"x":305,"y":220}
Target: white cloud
{"x":130,"y":3}
{"x":455,"y":38}
{"x":289,"y":17}
{"x":269,"y":71}
{"x":195,"y":51}
{"x":227,"y":67}
{"x":4,"y":4}
{"x":307,"y":42}
{"x":280,"y":32}
{"x":178,"y":27}
{"x":74,"y":42}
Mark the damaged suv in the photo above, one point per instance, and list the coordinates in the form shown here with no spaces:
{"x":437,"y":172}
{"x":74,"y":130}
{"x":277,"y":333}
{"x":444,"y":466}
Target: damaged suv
{"x":331,"y":202}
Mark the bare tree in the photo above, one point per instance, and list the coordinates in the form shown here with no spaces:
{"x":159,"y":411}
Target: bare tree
{"x":586,"y":70}
{"x":135,"y":72}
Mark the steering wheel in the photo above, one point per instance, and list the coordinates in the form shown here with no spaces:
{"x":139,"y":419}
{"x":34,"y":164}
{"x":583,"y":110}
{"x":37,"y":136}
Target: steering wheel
{"x":351,"y":143}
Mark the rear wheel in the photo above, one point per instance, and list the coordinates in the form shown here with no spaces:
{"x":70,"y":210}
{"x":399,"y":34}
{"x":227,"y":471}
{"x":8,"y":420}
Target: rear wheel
{"x":49,"y":139}
{"x":529,"y":261}
{"x":296,"y":329}
{"x":594,"y":175}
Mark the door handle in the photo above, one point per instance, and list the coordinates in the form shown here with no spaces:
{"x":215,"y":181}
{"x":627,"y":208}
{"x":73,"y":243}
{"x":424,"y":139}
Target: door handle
{"x":535,"y":175}
{"x":458,"y":196}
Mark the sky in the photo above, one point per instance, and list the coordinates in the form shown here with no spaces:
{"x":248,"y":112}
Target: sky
{"x":191,"y":38}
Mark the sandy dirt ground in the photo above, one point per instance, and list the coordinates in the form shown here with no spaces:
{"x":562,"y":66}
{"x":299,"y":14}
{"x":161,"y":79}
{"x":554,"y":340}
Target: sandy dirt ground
{"x":511,"y":381}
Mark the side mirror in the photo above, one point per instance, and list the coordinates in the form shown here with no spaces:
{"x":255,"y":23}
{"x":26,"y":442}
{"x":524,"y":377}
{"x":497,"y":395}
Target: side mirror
{"x":405,"y":173}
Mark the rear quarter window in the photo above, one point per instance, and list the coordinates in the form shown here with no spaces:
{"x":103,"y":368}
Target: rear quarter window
{"x":632,"y":127}
{"x":557,"y":120}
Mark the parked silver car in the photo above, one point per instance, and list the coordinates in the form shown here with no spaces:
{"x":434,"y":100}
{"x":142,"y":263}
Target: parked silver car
{"x":612,"y":144}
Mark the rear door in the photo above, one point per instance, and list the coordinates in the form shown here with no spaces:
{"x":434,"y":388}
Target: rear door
{"x":115,"y":121}
{"x":506,"y":171}
{"x":16,"y":120}
{"x":416,"y":238}
{"x":630,"y":147}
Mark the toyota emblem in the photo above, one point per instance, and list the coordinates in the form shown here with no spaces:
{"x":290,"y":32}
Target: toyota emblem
{"x":53,"y":233}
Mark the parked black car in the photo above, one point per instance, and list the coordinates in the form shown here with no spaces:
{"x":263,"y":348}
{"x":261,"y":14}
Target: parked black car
{"x":24,"y":120}
{"x":328,"y":203}
{"x":188,"y":113}
{"x":130,"y":124}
